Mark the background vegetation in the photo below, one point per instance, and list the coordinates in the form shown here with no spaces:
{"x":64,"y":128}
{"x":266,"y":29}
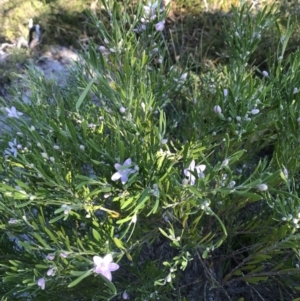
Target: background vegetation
{"x":204,"y":117}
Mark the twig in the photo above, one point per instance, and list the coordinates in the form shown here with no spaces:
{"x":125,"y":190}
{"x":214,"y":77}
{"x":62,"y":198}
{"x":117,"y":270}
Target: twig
{"x":208,"y":272}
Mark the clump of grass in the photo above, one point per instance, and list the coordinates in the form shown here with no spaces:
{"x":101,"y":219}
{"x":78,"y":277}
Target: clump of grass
{"x":13,"y":64}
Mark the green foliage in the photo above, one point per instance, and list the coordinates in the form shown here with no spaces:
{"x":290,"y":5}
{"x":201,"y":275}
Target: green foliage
{"x":188,"y":179}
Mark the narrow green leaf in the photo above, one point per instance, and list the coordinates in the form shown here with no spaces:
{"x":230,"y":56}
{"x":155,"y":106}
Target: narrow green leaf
{"x":96,"y":235}
{"x":163,"y":232}
{"x":40,"y":239}
{"x":84,"y":94}
{"x":119,"y":243}
{"x":79,"y":279}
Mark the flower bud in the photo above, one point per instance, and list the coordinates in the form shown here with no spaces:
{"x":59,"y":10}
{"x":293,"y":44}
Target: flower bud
{"x":217,"y":109}
{"x":262,"y":187}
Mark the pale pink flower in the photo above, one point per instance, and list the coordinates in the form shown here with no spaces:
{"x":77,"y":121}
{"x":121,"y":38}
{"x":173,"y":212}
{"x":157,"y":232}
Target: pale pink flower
{"x":105,"y":266}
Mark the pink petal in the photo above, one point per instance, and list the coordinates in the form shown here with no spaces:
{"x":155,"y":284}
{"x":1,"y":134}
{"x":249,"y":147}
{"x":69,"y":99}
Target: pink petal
{"x":113,"y":266}
{"x":98,"y":269}
{"x":107,"y":274}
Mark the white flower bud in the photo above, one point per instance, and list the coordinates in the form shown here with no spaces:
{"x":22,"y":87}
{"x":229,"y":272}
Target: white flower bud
{"x":185,"y":182}
{"x":44,"y":155}
{"x":262,"y":187}
{"x":225,"y":162}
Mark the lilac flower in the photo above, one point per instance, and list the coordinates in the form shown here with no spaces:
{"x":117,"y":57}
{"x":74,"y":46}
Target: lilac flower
{"x":265,"y":73}
{"x":295,"y":90}
{"x":12,"y":221}
{"x":51,"y":272}
{"x":105,"y":266}
{"x":41,"y":283}
{"x":198,"y":169}
{"x":122,"y":171}
{"x":50,"y":256}
{"x":13,"y":148}
{"x":160,"y":26}
{"x":12,"y":112}
{"x":225,"y":92}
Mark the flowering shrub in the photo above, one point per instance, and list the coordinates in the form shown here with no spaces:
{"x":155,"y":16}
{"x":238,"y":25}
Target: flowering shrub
{"x":101,"y":176}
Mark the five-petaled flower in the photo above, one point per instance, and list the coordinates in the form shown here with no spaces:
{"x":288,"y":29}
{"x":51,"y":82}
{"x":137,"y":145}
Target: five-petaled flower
{"x":196,"y":169}
{"x":13,"y":148}
{"x":41,"y":283}
{"x":105,"y":266}
{"x":12,"y":112}
{"x":123,"y":171}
